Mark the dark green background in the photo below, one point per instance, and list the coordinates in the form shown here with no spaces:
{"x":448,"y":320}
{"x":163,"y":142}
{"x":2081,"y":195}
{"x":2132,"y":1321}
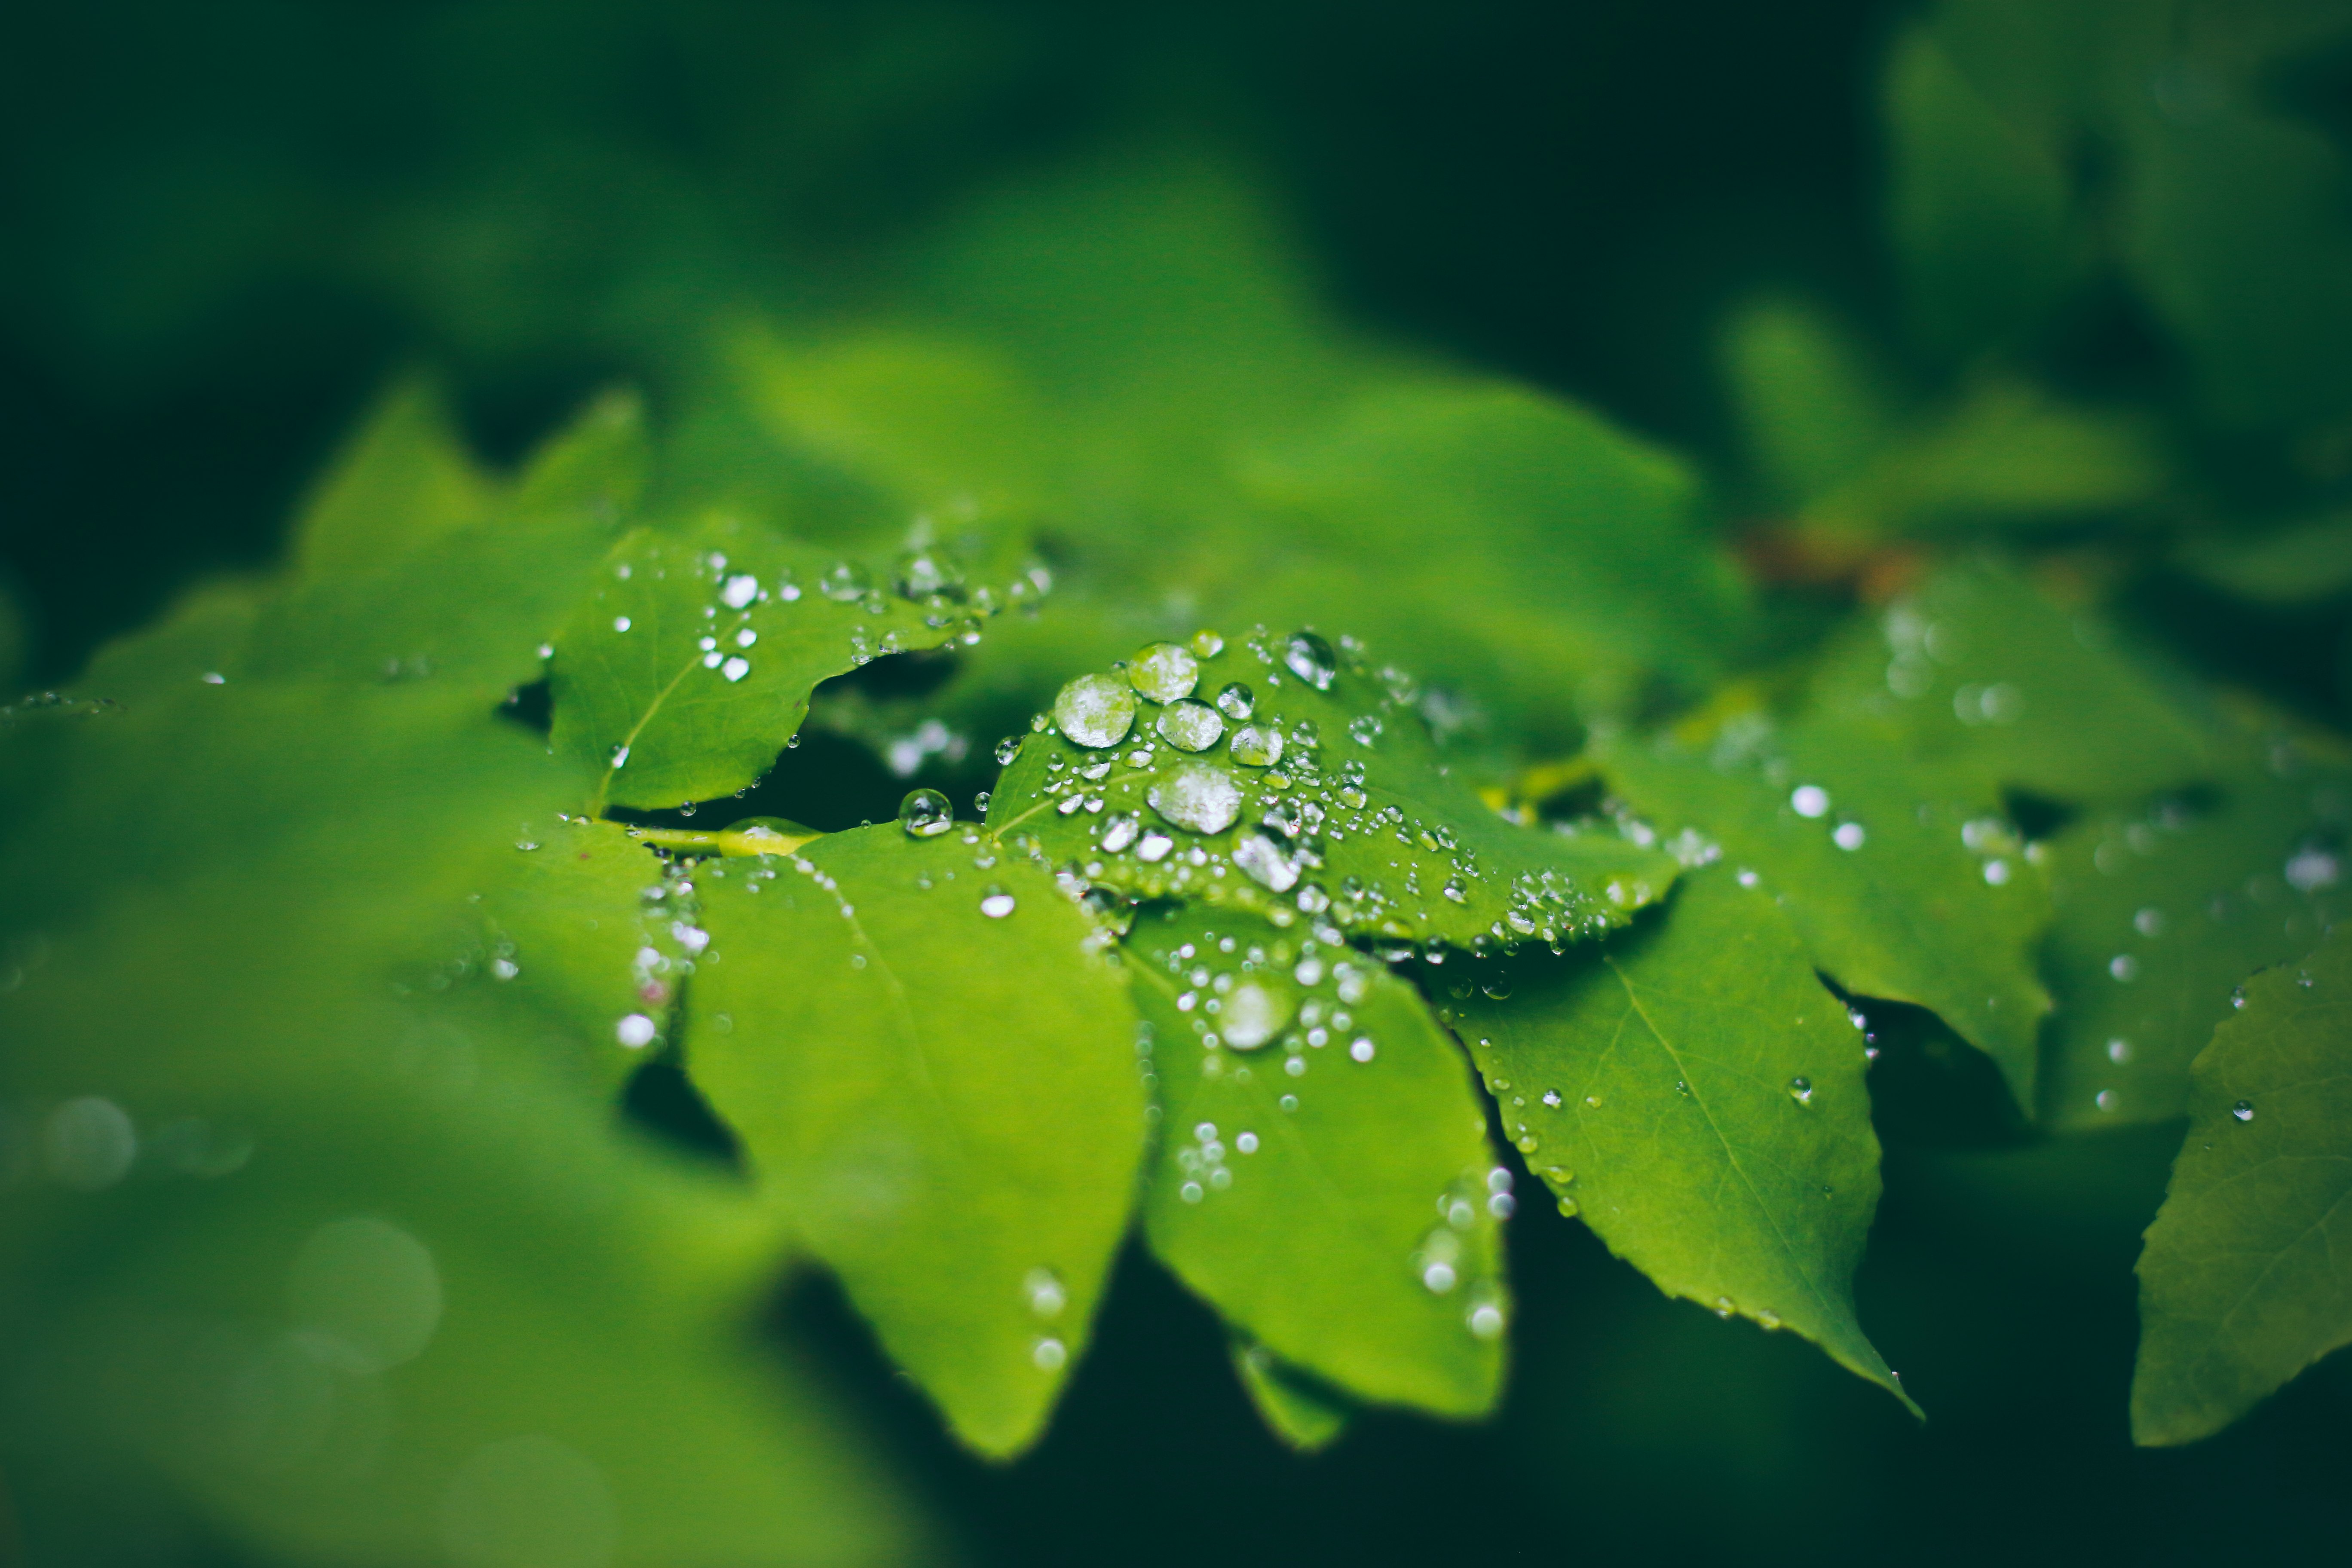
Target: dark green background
{"x":226,"y":223}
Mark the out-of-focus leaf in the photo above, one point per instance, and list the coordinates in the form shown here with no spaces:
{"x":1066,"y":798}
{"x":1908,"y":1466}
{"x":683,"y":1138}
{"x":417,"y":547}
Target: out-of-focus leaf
{"x":1982,"y":674}
{"x":1696,"y":1096}
{"x":1302,"y":1415}
{"x":2006,"y":455}
{"x":1811,"y":407}
{"x":1980,"y":209}
{"x":402,"y":480}
{"x":16,"y":639}
{"x":682,"y":674}
{"x":2162,"y":911}
{"x":1324,"y":1179}
{"x":1510,"y":542}
{"x":1328,"y":799}
{"x":203,"y":634}
{"x":2299,"y":564}
{"x":348,"y":1267}
{"x":2245,"y":1278}
{"x":599,"y":464}
{"x":1904,"y":881}
{"x":935,"y":1078}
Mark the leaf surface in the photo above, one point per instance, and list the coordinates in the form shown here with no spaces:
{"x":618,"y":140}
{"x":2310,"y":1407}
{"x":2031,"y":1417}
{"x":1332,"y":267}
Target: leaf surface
{"x":2247,"y":1279}
{"x":403,"y":479}
{"x":1302,"y":1415}
{"x":1934,"y":903}
{"x":1338,"y":1212}
{"x":2162,"y":911}
{"x":1697,"y":1096}
{"x":682,"y":674}
{"x":942,"y":1100}
{"x":1356,"y":813}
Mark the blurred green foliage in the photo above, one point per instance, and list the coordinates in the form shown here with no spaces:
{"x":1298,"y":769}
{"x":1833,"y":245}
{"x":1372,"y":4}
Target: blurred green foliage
{"x":1945,"y":408}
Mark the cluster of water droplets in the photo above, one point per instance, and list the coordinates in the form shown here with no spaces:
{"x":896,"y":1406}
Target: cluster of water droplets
{"x":1294,"y":999}
{"x":1444,"y":1260}
{"x":1164,"y":771}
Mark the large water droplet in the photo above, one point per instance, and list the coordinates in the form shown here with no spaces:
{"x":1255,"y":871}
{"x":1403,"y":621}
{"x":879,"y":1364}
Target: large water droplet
{"x":1164,"y":672}
{"x":925,"y":813}
{"x":1257,"y":746}
{"x":1265,"y":863}
{"x":1311,"y":659}
{"x":1236,"y":702}
{"x":1253,"y":1013}
{"x":1190,"y":726}
{"x":846,"y":583}
{"x":1198,"y":796}
{"x":1095,"y":710}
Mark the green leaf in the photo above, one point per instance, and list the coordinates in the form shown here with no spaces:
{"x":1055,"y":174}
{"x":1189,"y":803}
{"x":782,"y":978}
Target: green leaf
{"x":2301,"y":563}
{"x":1324,"y":1178}
{"x":1979,"y":673}
{"x":1980,"y":206}
{"x":2005,"y":455}
{"x":940,"y":1091}
{"x":16,"y":639}
{"x":1511,"y":543}
{"x":581,"y":928}
{"x":205,"y":632}
{"x":599,"y":464}
{"x":2162,"y":911}
{"x":1358,"y":812}
{"x":1694,"y":1092}
{"x":402,"y":480}
{"x":2244,"y":1282}
{"x":317,"y":1248}
{"x":1904,"y":881}
{"x":681,"y":677}
{"x":1302,"y":1415}
{"x":1811,"y":407}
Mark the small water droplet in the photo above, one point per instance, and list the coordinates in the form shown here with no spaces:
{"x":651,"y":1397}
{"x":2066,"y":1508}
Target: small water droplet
{"x":1800,"y":1090}
{"x":1486,"y":1320}
{"x":2119,"y":1049}
{"x":738,"y":589}
{"x":2124,"y":967}
{"x":1049,"y":1354}
{"x":1257,"y":746}
{"x":1810,"y":801}
{"x":2104,"y":1100}
{"x":1849,"y":835}
{"x":846,"y":583}
{"x":637,"y":1031}
{"x":2243,"y":1111}
{"x":1043,"y":1289}
{"x":1253,"y":1015}
{"x":1362,"y":1049}
{"x":620,"y":623}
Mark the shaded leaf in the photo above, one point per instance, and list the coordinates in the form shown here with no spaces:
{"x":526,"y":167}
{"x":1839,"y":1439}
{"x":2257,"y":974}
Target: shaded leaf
{"x":599,"y":463}
{"x":1904,"y":882}
{"x":2298,"y":564}
{"x":2245,"y":1279}
{"x":2162,"y":911}
{"x":1302,"y":1415}
{"x":1349,"y":807}
{"x":1324,"y":1179}
{"x":1811,"y":407}
{"x":1982,"y":674}
{"x":1695,"y":1095}
{"x":939,"y":1092}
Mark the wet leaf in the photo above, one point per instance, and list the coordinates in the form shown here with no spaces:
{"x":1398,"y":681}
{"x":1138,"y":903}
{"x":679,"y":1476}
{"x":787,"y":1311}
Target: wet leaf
{"x":1978,"y":671}
{"x":935,"y":1080}
{"x":1329,"y":799}
{"x":1324,"y":1179}
{"x":1902,"y":881}
{"x":684,"y":673}
{"x":1698,"y":1096}
{"x":2244,"y":1282}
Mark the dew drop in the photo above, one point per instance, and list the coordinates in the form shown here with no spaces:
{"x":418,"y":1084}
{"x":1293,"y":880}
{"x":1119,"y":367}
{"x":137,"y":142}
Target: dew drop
{"x":736,"y":668}
{"x":996,"y":904}
{"x":739,"y":591}
{"x":1810,"y":801}
{"x":1849,"y":835}
{"x":1190,"y":726}
{"x":1236,"y":702}
{"x":1049,"y":1354}
{"x":2243,"y":1111}
{"x":925,"y":813}
{"x":1095,"y":710}
{"x":1257,"y":746}
{"x":1164,"y":672}
{"x":1800,"y":1090}
{"x":1197,"y":795}
{"x":637,"y":1031}
{"x":846,"y":583}
{"x":1362,"y":1049}
{"x":1253,"y":1015}
{"x":1311,"y":659}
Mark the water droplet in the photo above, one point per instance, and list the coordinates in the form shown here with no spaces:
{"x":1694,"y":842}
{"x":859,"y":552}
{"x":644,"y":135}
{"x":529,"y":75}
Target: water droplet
{"x":2308,"y":871}
{"x":1439,"y":1277}
{"x":1006,"y":749}
{"x":1246,"y":1142}
{"x":1995,"y":872}
{"x":2104,"y":1100}
{"x":1289,"y":1101}
{"x":2119,"y":1049}
{"x":1164,"y":672}
{"x":1849,"y":835}
{"x":1311,"y":659}
{"x":1257,"y":746}
{"x":846,"y":583}
{"x":925,"y":813}
{"x":1265,"y":863}
{"x":738,"y":589}
{"x":620,"y":623}
{"x":2124,"y":967}
{"x":1049,"y":1354}
{"x":620,"y":756}
{"x":2148,"y":922}
{"x":215,"y":678}
{"x":2243,"y":1111}
{"x":1189,"y":1192}
{"x":1197,"y":795}
{"x":1800,"y":1090}
{"x":1486,"y":1320}
{"x":1362,"y":1049}
{"x":1154,"y":846}
{"x":1095,"y":710}
{"x":1810,"y":801}
{"x":1552,"y":1098}
{"x":1190,"y":726}
{"x":89,"y":1144}
{"x":637,"y":1031}
{"x":1236,"y":702}
{"x":1253,"y":1015}
{"x":996,"y":904}
{"x":1043,"y":1289}
{"x":736,"y":668}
